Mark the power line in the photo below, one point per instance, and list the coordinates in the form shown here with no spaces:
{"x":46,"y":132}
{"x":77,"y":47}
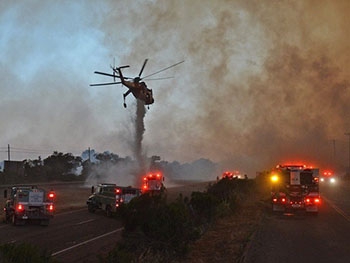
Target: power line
{"x":23,"y":151}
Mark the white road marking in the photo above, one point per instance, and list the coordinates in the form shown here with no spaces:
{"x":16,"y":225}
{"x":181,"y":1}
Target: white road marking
{"x":85,"y":242}
{"x":337,"y":209}
{"x":84,"y":222}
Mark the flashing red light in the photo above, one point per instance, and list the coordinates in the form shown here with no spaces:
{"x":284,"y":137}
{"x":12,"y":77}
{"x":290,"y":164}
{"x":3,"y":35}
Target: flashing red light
{"x":20,"y":207}
{"x":117,"y":190}
{"x":51,"y":207}
{"x":145,"y":187}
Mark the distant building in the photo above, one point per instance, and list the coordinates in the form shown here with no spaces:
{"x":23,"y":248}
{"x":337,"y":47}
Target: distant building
{"x":14,"y":168}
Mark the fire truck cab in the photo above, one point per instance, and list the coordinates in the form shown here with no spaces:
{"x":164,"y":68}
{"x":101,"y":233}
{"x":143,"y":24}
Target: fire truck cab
{"x":295,"y":187}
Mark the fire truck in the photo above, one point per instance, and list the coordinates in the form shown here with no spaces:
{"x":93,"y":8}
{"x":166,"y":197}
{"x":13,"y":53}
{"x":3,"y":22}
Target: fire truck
{"x":231,"y":175}
{"x":27,"y":203}
{"x":153,"y":183}
{"x":295,"y":187}
{"x":110,"y":197}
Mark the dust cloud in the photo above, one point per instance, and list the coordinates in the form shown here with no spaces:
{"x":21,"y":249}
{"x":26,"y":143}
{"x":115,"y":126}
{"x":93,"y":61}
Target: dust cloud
{"x":126,"y":171}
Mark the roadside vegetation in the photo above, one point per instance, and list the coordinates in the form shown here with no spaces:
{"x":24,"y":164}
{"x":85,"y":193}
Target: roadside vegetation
{"x":158,"y":231}
{"x":23,"y":253}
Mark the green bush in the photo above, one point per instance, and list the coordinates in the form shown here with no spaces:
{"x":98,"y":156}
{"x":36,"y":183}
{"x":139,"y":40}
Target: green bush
{"x":204,"y":207}
{"x":168,"y":227}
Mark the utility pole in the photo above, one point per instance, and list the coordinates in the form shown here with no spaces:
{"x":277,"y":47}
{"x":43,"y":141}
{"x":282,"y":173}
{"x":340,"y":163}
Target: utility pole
{"x":89,"y":155}
{"x":8,"y":152}
{"x":348,"y":170}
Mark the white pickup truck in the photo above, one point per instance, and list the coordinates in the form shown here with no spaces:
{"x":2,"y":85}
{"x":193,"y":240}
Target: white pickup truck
{"x":29,"y":203}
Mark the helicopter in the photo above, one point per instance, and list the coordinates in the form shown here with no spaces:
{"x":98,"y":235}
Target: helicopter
{"x":135,"y":85}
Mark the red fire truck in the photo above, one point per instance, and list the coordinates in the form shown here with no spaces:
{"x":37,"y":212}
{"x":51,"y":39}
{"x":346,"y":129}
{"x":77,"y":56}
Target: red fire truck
{"x":295,"y":187}
{"x":231,"y":175}
{"x":153,"y":183}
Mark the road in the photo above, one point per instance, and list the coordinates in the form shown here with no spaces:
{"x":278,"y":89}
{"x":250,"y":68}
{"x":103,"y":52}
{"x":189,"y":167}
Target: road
{"x":75,"y":236}
{"x":303,"y":238}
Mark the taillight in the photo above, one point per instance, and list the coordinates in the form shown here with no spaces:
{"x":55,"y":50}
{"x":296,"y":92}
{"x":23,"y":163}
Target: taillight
{"x":283,"y":200}
{"x":310,"y":200}
{"x":274,"y":200}
{"x":20,"y":208}
{"x":51,"y":196}
{"x":51,"y":208}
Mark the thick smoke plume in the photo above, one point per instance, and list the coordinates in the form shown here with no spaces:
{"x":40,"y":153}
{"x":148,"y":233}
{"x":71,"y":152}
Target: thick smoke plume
{"x":263,"y":83}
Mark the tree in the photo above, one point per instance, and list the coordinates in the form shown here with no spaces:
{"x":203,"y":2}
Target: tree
{"x":62,"y":166}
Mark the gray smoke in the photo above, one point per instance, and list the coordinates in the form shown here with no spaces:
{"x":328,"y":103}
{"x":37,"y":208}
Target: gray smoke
{"x":263,"y":82}
{"x":139,"y":155}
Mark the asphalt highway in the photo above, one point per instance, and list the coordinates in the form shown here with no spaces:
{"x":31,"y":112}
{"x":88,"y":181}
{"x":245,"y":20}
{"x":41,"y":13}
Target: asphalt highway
{"x":304,"y":238}
{"x":74,"y":236}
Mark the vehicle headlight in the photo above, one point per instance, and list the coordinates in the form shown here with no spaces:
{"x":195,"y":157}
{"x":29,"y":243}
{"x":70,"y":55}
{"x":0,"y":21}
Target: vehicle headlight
{"x":332,"y":180}
{"x":274,"y":178}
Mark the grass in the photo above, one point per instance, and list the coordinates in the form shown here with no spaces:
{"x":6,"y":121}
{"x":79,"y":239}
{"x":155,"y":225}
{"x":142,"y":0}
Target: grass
{"x":227,"y":239}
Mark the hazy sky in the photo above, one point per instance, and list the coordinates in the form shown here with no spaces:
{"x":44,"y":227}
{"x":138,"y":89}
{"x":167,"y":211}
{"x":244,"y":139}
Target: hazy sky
{"x":262,"y":82}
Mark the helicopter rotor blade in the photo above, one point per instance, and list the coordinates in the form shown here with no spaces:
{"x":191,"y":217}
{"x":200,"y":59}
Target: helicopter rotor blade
{"x":143,"y":67}
{"x":105,"y":74}
{"x":104,"y":84}
{"x":164,"y":69}
{"x":116,"y":71}
{"x":160,"y":78}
